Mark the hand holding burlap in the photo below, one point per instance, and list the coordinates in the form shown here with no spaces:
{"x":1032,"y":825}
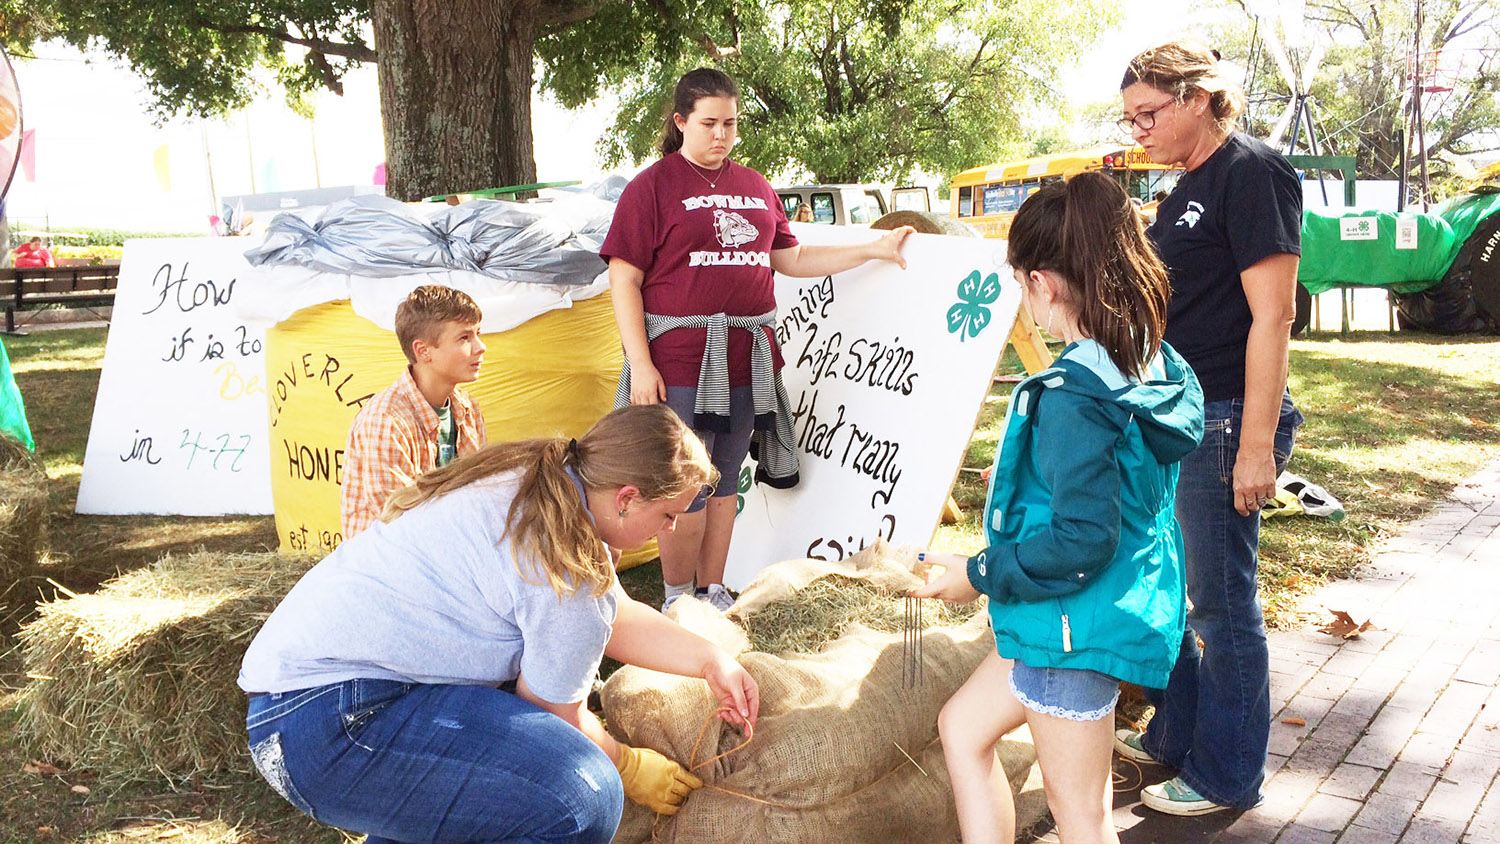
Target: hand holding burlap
{"x":653,"y":780}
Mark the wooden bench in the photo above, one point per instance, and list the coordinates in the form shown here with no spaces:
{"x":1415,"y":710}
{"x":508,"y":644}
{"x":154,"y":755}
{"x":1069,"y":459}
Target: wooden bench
{"x":33,"y":288}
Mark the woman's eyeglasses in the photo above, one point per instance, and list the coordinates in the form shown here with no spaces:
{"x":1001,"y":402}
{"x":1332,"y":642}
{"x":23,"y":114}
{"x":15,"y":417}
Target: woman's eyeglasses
{"x":1144,"y":120}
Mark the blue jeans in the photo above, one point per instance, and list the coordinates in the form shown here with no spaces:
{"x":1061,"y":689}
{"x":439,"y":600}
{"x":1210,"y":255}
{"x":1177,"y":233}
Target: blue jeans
{"x":1213,"y":721}
{"x":418,"y":763}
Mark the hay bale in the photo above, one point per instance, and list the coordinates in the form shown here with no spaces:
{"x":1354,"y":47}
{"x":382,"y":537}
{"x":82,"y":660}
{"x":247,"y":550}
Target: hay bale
{"x":926,"y":222}
{"x":137,"y":680}
{"x":842,"y":752}
{"x":820,"y":612}
{"x":23,"y":519}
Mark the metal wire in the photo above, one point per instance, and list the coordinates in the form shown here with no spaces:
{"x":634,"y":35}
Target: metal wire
{"x":913,"y":668}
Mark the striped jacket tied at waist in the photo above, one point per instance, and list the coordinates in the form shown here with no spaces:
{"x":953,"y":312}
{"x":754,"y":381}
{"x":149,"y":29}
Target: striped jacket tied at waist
{"x":773,"y":444}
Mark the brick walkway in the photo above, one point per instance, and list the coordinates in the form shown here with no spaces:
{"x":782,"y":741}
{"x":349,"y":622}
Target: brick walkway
{"x":1402,"y":734}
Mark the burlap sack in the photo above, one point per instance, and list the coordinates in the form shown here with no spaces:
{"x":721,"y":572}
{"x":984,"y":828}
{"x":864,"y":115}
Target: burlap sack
{"x":841,"y":753}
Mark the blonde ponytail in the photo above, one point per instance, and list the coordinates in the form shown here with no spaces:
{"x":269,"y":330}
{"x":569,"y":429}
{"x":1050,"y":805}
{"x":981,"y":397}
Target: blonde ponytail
{"x":645,"y":446}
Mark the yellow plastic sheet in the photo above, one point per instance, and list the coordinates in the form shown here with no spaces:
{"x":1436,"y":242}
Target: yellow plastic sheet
{"x":553,"y":375}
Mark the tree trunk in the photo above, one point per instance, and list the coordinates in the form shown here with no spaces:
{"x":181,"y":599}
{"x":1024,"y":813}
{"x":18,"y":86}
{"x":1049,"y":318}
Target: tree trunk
{"x":455,"y":94}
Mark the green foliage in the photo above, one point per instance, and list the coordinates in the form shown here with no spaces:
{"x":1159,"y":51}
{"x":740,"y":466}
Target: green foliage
{"x":103,"y":237}
{"x":117,"y":237}
{"x":93,"y":255}
{"x":1363,"y":82}
{"x":834,"y":90}
{"x":200,"y":58}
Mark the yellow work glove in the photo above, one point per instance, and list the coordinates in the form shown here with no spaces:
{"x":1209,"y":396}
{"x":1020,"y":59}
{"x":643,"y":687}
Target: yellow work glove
{"x":653,"y":780}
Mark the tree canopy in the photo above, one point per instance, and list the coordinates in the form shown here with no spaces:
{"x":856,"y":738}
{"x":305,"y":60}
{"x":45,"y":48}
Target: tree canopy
{"x":200,"y":58}
{"x":838,"y":90}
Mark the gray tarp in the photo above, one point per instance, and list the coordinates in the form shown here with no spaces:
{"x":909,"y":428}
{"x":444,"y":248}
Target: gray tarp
{"x":553,"y":243}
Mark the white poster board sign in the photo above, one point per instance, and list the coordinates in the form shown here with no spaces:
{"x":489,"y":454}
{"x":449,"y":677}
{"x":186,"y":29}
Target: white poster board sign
{"x":180,"y":418}
{"x":886,"y":371}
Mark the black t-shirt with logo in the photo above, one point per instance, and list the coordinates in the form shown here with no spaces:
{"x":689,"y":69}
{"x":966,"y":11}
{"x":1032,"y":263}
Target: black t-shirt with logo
{"x":1241,"y":205}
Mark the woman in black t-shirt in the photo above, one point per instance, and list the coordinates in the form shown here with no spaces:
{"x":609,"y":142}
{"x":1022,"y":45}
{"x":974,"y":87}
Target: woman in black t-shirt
{"x":1230,"y":235}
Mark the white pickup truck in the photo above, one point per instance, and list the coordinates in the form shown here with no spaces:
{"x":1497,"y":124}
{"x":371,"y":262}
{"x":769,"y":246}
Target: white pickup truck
{"x":851,"y":205}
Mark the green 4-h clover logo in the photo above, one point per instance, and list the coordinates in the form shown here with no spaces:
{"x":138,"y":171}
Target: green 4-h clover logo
{"x":744,"y":487}
{"x":971,"y":315}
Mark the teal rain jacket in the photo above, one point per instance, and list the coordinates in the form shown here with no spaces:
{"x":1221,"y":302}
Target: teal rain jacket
{"x":1084,"y":567}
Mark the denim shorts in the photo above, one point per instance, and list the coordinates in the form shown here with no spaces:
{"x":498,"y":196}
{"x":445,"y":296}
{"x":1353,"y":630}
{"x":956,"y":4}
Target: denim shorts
{"x":1076,"y":694}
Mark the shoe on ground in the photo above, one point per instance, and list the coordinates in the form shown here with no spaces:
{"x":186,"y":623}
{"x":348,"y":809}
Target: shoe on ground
{"x":1175,"y":797}
{"x":1128,"y":745}
{"x":672,"y":599}
{"x":717,"y":596}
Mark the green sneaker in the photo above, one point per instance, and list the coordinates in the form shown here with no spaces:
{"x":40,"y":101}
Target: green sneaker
{"x":1175,"y":797}
{"x":1128,"y":745}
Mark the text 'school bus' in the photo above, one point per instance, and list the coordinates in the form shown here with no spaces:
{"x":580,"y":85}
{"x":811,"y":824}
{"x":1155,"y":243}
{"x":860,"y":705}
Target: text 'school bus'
{"x":987,"y":197}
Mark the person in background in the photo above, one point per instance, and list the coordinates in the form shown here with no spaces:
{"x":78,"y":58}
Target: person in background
{"x":1230,"y":235}
{"x":804,"y":213}
{"x":423,"y":420}
{"x":695,"y":240}
{"x":1083,"y":567}
{"x":429,"y":679}
{"x":33,"y":254}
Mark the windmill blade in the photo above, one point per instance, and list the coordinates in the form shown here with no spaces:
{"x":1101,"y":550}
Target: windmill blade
{"x":1274,"y":139}
{"x":1293,"y":17}
{"x":1283,"y":62}
{"x":1260,"y":8}
{"x":1310,"y":67}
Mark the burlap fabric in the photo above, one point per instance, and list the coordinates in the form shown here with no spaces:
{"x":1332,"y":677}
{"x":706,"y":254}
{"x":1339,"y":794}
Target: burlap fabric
{"x":841,"y":753}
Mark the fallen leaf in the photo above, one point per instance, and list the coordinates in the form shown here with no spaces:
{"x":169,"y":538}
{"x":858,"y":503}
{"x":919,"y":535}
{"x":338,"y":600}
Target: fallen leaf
{"x":79,"y":789}
{"x":41,"y":768}
{"x":1297,"y":721}
{"x":1344,"y":626}
{"x":44,"y":830}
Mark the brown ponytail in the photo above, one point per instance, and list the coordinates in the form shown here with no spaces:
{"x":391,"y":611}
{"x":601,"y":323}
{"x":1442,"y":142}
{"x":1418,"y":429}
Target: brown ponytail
{"x":646,"y":446}
{"x":692,"y":87}
{"x":1086,"y":231}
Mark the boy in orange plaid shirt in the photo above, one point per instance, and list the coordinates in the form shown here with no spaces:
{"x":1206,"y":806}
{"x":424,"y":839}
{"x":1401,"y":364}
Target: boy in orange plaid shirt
{"x":423,"y":420}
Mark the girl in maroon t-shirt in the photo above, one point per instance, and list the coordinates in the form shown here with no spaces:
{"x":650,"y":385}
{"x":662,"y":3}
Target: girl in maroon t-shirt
{"x":697,"y":235}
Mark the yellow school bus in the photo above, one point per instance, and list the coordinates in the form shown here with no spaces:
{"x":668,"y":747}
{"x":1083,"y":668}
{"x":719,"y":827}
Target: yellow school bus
{"x":987,"y":197}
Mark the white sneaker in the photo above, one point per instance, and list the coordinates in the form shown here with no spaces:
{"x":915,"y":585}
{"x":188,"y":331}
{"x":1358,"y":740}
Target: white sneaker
{"x":1176,"y":797}
{"x":672,"y":599}
{"x":1128,"y":745}
{"x":718,"y":597}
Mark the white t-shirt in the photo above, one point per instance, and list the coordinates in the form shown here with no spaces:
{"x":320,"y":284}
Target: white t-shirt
{"x":433,"y":597}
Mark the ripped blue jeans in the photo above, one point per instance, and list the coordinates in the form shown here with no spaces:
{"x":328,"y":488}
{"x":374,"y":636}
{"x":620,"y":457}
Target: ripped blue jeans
{"x":417,"y":763}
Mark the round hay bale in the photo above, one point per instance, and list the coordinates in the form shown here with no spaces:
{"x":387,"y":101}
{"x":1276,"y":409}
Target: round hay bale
{"x":23,"y":523}
{"x":137,"y":681}
{"x":925,"y":222}
{"x":846,"y":748}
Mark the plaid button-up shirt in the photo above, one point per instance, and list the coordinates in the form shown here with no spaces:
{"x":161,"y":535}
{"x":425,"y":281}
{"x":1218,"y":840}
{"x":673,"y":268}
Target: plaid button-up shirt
{"x":394,"y":439}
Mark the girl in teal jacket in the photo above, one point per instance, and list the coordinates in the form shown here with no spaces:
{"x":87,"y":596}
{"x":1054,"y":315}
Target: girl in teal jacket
{"x":1083,"y":567}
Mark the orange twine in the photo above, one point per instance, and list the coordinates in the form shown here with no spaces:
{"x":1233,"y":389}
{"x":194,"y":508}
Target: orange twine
{"x":749,"y":736}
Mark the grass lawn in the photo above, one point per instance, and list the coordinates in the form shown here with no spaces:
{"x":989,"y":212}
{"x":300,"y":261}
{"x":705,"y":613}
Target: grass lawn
{"x":1393,"y":423}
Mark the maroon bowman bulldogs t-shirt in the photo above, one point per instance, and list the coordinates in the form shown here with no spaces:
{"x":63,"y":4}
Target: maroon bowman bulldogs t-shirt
{"x":704,"y":250}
